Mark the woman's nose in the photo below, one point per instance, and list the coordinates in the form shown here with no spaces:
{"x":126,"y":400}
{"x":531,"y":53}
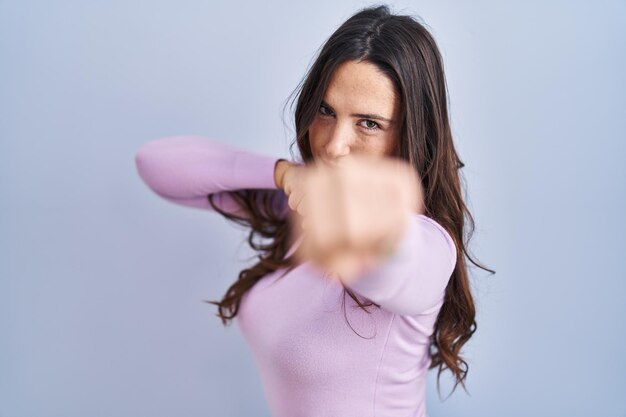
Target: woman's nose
{"x":338,"y":144}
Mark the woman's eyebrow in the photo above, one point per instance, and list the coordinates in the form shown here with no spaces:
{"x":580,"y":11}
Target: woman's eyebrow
{"x":362,"y":115}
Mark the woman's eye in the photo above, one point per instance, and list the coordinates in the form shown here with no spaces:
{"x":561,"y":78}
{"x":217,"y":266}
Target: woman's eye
{"x":373,"y":126}
{"x":324,"y":110}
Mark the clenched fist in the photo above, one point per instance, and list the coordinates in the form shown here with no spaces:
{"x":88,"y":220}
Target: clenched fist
{"x":350,"y":216}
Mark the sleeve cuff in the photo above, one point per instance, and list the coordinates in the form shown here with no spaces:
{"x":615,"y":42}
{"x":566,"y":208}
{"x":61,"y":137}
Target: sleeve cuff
{"x":254,"y":170}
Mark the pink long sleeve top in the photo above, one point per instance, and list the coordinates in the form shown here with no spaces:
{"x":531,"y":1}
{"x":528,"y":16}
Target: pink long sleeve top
{"x":313,"y":360}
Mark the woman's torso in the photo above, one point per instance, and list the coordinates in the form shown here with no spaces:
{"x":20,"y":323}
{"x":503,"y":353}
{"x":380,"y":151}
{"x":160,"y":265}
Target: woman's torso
{"x":313,"y":364}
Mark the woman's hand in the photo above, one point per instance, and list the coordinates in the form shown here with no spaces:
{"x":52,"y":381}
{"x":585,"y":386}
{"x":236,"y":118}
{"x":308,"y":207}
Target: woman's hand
{"x":353,"y":213}
{"x":290,"y":177}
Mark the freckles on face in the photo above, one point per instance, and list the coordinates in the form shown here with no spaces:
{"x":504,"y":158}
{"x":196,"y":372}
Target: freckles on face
{"x":359,"y":114}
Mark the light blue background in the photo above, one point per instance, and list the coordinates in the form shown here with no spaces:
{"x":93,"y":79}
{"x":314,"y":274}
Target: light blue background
{"x":102,"y":282}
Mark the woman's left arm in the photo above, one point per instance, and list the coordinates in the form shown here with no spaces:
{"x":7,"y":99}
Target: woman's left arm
{"x":354,"y":211}
{"x":414,"y":278}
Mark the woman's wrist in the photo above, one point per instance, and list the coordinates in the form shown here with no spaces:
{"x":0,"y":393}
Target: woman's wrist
{"x":279,"y":171}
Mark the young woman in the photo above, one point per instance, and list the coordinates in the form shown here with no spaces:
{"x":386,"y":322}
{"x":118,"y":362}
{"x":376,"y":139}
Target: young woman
{"x":373,"y":211}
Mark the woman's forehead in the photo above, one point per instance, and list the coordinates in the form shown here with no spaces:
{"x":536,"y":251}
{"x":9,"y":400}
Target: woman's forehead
{"x":359,"y":87}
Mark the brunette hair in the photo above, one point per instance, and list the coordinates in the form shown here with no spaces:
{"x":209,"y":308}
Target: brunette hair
{"x":405,"y":51}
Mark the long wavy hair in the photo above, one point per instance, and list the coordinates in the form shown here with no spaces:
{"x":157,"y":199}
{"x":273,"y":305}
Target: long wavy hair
{"x":404,"y":50}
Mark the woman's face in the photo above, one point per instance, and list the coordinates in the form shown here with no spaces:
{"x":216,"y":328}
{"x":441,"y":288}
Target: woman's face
{"x":359,"y":114}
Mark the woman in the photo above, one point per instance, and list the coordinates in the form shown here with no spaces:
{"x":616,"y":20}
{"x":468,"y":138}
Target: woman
{"x":374,"y":211}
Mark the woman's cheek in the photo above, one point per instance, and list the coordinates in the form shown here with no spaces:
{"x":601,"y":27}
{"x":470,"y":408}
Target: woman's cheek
{"x":315,"y":138}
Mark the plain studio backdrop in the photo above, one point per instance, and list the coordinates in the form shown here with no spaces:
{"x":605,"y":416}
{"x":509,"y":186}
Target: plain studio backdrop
{"x":102,"y":282}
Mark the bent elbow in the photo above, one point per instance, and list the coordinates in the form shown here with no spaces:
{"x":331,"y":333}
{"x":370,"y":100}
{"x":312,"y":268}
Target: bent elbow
{"x":150,"y":169}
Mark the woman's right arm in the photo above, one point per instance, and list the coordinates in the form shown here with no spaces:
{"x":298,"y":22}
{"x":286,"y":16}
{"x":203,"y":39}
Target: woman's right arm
{"x":186,"y":169}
